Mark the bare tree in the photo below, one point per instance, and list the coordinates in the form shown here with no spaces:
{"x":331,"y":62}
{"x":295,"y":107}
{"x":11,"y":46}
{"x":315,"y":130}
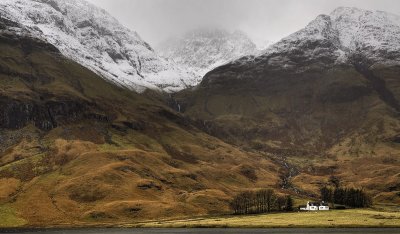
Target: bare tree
{"x":268,"y":199}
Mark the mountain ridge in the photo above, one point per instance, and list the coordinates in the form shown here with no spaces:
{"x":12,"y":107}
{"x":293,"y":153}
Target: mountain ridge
{"x":349,"y":30}
{"x":99,"y":42}
{"x":95,"y":39}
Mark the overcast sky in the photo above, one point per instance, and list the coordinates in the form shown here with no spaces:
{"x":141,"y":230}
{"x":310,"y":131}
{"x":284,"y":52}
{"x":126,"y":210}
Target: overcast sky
{"x":157,"y":20}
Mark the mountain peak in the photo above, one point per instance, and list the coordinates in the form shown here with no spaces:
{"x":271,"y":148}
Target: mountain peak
{"x":375,"y":33}
{"x":206,"y":32}
{"x":347,"y":30}
{"x":347,"y":11}
{"x":204,"y":49}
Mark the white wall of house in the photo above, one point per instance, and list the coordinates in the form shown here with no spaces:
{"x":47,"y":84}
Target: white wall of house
{"x":323,"y":208}
{"x":314,"y":207}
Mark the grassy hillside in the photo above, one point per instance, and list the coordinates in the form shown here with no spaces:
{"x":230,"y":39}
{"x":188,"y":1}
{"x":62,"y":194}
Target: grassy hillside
{"x":341,"y":121}
{"x":76,"y":149}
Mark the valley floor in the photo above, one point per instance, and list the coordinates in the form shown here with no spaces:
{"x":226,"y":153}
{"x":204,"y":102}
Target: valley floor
{"x":333,"y":218}
{"x":379,"y":217}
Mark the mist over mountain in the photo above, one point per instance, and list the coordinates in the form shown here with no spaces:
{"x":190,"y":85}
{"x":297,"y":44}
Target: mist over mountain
{"x":204,"y":49}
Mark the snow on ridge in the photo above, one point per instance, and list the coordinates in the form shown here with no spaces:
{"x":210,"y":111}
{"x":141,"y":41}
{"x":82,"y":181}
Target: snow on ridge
{"x":93,"y":38}
{"x":318,"y":29}
{"x":369,"y":31}
{"x":375,"y":34}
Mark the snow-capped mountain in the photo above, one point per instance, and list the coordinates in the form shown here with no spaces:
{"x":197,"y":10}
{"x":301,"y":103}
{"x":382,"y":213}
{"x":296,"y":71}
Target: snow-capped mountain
{"x":376,"y":34}
{"x":338,"y":37}
{"x":92,"y":37}
{"x":204,"y":49}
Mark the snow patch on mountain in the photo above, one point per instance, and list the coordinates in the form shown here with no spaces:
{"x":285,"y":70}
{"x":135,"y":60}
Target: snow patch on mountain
{"x":93,"y":38}
{"x":376,"y":34}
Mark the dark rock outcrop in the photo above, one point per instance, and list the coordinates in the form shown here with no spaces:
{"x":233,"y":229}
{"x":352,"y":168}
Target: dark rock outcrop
{"x":45,"y":115}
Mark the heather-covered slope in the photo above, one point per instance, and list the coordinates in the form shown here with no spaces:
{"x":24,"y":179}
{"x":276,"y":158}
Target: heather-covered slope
{"x":325,"y":98}
{"x":77,"y":150}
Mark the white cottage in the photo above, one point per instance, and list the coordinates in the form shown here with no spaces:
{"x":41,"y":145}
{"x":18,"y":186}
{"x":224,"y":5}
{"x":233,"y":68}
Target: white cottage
{"x":314,"y":206}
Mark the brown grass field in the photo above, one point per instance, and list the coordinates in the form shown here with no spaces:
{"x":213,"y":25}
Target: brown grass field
{"x":380,"y":216}
{"x":333,"y":218}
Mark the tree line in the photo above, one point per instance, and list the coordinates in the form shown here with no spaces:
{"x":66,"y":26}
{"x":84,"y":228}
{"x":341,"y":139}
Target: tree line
{"x":356,"y":198}
{"x":261,"y":201}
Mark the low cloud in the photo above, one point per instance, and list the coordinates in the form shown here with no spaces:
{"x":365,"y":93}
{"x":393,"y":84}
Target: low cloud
{"x":157,"y":20}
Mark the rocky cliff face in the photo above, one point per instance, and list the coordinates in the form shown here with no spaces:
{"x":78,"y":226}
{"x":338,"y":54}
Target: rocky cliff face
{"x":40,"y":107}
{"x":17,"y":114}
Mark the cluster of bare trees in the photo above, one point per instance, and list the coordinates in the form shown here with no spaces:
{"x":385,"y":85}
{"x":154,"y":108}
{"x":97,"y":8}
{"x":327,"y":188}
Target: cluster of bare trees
{"x":261,"y":201}
{"x":356,"y":198}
